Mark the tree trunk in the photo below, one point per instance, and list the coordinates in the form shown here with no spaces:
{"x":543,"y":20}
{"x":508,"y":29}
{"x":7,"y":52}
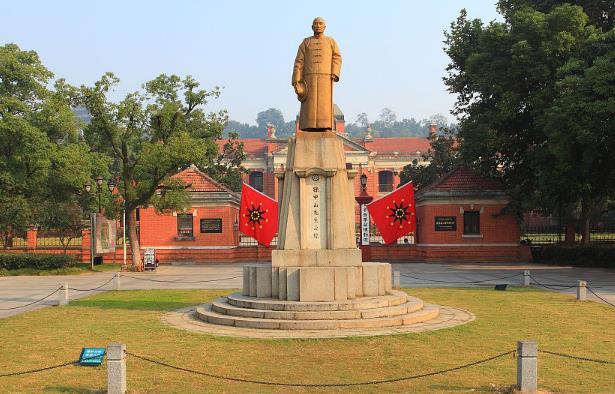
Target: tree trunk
{"x":585,"y":220}
{"x":131,"y":219}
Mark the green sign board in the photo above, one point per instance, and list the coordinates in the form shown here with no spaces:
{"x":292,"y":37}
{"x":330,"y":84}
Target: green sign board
{"x":92,"y":355}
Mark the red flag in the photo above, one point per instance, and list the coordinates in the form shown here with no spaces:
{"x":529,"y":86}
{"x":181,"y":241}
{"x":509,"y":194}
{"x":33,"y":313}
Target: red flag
{"x":258,"y":215}
{"x":395,"y":213}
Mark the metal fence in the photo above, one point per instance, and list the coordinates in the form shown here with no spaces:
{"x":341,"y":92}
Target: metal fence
{"x":54,"y":238}
{"x":245,"y":240}
{"x":16,"y":242}
{"x":543,"y":234}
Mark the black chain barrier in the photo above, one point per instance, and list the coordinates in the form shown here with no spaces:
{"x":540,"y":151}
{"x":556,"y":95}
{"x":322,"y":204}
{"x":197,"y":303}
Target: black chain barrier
{"x":75,"y":363}
{"x":31,"y":303}
{"x":552,"y":286}
{"x":179,"y":280}
{"x":457,"y":282}
{"x":321,"y":385}
{"x":593,"y":360}
{"x":94,"y":288}
{"x":594,"y":293}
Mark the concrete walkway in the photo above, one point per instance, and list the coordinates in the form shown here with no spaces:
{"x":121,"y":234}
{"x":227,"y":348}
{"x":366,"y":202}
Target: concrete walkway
{"x":19,"y":290}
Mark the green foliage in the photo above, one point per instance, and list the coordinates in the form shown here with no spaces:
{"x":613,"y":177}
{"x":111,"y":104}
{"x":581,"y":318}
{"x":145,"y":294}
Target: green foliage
{"x":578,"y":255}
{"x":13,"y":261}
{"x":151,"y":135}
{"x":441,"y":159}
{"x":228,"y":167}
{"x":600,"y":12}
{"x":535,"y":102}
{"x":41,"y":157}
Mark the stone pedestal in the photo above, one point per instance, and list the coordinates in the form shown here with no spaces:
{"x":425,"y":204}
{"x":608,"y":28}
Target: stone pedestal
{"x":317,"y":258}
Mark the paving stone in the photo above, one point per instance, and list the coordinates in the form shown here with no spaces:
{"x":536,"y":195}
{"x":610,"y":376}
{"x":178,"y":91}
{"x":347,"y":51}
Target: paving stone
{"x":275,"y":282}
{"x":341,"y":283}
{"x":316,"y":284}
{"x":263,"y":281}
{"x":282,"y":283}
{"x":292,"y":283}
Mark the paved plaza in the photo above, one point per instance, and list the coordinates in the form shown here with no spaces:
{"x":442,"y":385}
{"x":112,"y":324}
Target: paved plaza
{"x":20,"y":290}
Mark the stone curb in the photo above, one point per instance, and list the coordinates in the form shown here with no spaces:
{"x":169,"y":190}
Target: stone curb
{"x":185,"y":319}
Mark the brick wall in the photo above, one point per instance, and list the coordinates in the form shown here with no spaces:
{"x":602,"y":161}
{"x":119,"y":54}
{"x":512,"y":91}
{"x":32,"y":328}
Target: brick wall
{"x":161,"y":229}
{"x":495,"y":228}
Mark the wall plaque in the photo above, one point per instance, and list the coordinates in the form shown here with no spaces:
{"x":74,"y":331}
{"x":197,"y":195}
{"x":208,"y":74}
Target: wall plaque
{"x":211,"y":225}
{"x":445,"y":223}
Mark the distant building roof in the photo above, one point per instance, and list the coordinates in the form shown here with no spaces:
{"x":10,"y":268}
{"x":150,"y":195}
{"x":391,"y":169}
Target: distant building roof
{"x":462,"y":181}
{"x":403,"y":145}
{"x":251,"y":146}
{"x":199,"y":181}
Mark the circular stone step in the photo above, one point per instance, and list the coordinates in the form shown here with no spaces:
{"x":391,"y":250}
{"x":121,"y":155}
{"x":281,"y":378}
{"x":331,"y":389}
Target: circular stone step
{"x":242,"y":301}
{"x":413,"y":304}
{"x":427,"y":313}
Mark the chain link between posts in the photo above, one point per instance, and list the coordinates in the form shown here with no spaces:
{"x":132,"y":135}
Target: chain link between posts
{"x":33,"y":302}
{"x":321,"y":385}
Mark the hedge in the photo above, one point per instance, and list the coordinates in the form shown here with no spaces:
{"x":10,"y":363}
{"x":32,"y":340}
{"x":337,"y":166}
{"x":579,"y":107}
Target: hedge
{"x":578,"y":255}
{"x":13,"y":261}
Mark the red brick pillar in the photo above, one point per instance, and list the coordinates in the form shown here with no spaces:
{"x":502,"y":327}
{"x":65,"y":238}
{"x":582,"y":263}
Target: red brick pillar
{"x":31,"y":236}
{"x":85,"y":246}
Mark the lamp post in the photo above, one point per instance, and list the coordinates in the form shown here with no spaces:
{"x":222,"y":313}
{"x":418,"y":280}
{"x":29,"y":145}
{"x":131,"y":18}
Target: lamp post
{"x":88,"y":188}
{"x":363,"y":199}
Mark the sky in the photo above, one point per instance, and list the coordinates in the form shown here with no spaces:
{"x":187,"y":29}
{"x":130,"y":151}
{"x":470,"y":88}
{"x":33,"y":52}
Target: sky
{"x":392,"y":50}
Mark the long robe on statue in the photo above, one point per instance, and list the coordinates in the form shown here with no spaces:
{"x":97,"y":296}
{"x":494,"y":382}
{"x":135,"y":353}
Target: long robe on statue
{"x":317,"y":64}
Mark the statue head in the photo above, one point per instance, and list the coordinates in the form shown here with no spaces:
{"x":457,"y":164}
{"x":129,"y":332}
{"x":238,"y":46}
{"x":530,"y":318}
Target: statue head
{"x":318,"y":25}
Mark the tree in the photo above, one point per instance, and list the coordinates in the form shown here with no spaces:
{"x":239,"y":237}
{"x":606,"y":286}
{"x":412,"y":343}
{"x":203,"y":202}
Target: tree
{"x":37,"y":130}
{"x":507,"y":79}
{"x":579,"y":126}
{"x":600,"y":12}
{"x":153,"y":134}
{"x":273,"y":116}
{"x":441,"y":158}
{"x":387,"y":117}
{"x":228,"y":168}
{"x":362,"y":120}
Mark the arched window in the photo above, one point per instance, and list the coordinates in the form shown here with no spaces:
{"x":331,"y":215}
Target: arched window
{"x":256,"y":180}
{"x":385,"y":181}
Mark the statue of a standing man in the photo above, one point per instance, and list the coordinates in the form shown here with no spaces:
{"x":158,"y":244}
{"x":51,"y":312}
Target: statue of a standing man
{"x":317,"y":66}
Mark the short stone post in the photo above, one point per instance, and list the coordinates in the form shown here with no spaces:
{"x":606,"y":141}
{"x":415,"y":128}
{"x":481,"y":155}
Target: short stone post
{"x":396,"y":280}
{"x":582,"y":291}
{"x":527,"y":366}
{"x":526,"y":278}
{"x":116,"y":368}
{"x":63,"y":295}
{"x":116,"y":281}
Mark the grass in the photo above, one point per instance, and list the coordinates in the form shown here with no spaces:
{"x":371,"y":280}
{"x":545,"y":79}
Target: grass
{"x":55,"y":335}
{"x":77,"y":269}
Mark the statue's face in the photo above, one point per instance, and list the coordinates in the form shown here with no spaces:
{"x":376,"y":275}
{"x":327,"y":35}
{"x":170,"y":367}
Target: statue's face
{"x":318,"y":26}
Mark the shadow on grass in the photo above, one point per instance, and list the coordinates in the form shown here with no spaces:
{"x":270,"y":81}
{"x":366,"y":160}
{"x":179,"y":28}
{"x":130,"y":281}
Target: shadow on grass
{"x":143,"y":305}
{"x":69,"y":389}
{"x":149,"y":300}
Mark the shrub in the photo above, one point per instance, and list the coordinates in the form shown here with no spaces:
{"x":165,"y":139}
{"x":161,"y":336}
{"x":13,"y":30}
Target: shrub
{"x":578,"y":255}
{"x":13,"y":261}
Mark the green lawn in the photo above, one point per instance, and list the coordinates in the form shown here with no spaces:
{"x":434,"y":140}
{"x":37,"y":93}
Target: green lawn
{"x":77,"y":269}
{"x":559,"y":323}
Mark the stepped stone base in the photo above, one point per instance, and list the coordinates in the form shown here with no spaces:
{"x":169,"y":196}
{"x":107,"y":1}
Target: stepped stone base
{"x":322,"y":283}
{"x":396,"y":309}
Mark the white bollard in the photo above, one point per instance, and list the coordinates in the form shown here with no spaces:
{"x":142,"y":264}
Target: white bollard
{"x":117,"y":281}
{"x":582,"y":291}
{"x":526,"y":278}
{"x":63,"y":295}
{"x":116,"y":368}
{"x":396,"y":280}
{"x":527,"y":366}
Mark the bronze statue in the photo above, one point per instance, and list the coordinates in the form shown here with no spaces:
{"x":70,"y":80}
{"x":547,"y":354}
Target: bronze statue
{"x":317,"y":66}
